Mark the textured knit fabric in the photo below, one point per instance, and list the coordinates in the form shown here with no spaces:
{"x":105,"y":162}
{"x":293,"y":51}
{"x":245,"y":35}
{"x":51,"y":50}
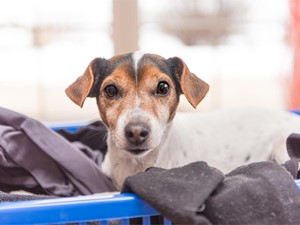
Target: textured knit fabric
{"x":177,"y":193}
{"x":4,"y":197}
{"x":260,"y":193}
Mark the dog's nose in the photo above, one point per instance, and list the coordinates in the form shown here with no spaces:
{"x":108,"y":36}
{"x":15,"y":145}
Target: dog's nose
{"x":137,"y":133}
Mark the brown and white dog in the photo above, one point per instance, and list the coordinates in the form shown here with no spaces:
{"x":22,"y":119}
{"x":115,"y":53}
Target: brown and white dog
{"x":137,"y":96}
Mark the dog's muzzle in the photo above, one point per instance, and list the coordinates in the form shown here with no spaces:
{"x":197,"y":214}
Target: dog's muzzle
{"x":136,"y":134}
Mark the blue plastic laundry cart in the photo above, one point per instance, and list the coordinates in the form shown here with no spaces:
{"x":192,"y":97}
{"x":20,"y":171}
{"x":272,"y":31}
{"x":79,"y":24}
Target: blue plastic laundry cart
{"x":80,"y":210}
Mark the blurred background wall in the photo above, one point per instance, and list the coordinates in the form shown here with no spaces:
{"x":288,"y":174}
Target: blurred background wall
{"x":246,"y":50}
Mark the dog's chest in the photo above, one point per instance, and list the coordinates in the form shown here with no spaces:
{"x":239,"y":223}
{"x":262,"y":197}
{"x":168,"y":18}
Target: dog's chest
{"x":119,"y":166}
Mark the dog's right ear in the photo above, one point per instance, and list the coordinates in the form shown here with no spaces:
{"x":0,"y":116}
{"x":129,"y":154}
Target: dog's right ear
{"x":85,"y":85}
{"x":192,"y":87}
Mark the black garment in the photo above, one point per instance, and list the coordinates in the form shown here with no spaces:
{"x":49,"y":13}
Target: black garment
{"x":260,"y":193}
{"x":293,"y":148}
{"x":37,"y":158}
{"x":293,"y":145}
{"x":93,"y":135}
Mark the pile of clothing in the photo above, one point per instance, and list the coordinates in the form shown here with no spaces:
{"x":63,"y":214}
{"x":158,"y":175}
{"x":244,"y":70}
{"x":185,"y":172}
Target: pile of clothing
{"x":51,"y":164}
{"x":36,"y":159}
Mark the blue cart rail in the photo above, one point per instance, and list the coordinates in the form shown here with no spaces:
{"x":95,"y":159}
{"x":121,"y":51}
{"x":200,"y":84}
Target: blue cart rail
{"x":80,"y":209}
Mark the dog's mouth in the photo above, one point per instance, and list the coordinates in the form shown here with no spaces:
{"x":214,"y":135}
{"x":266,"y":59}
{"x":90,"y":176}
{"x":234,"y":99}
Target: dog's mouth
{"x":137,"y":151}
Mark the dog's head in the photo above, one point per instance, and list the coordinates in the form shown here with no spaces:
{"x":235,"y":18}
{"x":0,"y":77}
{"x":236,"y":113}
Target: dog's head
{"x":137,"y":95}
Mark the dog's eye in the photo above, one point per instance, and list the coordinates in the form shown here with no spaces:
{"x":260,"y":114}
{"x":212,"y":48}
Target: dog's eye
{"x":163,"y":88}
{"x":110,"y":91}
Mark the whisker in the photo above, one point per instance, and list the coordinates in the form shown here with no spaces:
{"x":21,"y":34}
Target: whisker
{"x":96,"y":134}
{"x":132,"y":163}
{"x":105,"y":136}
{"x":143,"y":161}
{"x":114,"y":138}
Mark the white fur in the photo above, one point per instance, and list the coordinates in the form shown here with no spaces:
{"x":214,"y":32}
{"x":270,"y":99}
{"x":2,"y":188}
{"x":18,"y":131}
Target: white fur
{"x":227,"y":139}
{"x":135,"y":114}
{"x":136,"y":58}
{"x":224,"y":139}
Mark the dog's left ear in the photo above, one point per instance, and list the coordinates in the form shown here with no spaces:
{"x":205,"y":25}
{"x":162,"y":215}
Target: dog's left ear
{"x":85,"y":85}
{"x":192,"y":87}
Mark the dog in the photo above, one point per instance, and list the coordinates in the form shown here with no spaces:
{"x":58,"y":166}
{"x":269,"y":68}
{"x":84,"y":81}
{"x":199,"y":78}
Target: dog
{"x":138,"y":94}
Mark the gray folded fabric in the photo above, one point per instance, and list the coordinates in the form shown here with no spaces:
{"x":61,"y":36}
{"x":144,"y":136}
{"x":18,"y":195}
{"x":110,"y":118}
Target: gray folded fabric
{"x":260,"y":193}
{"x":178,"y":193}
{"x":32,"y":155}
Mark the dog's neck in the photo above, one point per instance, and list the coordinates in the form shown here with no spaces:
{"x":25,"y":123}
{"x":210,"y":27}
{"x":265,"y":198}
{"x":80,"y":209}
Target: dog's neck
{"x":118,"y":164}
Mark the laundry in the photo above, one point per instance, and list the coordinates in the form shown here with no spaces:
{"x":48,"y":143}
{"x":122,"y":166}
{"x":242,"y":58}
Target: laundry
{"x":177,"y":193}
{"x":36,"y":159}
{"x":92,"y":135}
{"x":259,"y":193}
{"x":5,"y":197}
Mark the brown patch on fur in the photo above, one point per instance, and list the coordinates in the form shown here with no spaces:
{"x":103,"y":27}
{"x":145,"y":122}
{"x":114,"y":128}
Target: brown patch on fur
{"x":192,"y":86}
{"x":149,"y":78}
{"x":110,"y":109}
{"x":80,"y":89}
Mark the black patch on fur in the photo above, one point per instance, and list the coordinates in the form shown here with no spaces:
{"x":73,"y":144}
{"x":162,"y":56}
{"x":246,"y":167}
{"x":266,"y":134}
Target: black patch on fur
{"x":176,"y":68}
{"x":98,"y":68}
{"x":115,"y":63}
{"x":102,"y":68}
